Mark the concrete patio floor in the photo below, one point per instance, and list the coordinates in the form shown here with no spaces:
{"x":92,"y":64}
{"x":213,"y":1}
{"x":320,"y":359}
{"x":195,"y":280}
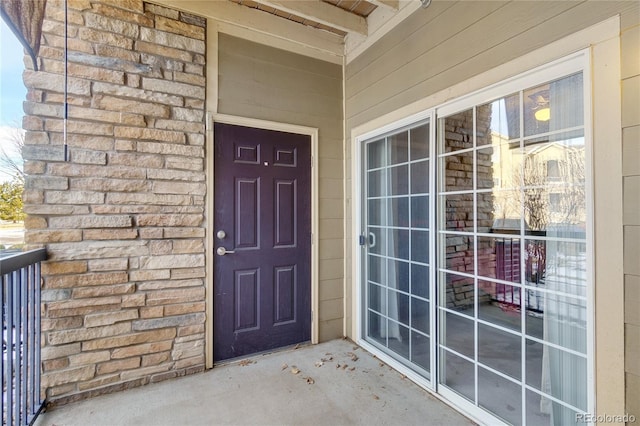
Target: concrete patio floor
{"x":349,"y":387}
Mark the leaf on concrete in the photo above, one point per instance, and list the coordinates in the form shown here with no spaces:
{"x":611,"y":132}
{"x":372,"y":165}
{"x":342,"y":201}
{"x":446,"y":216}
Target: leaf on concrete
{"x":353,"y":356}
{"x":310,"y":381}
{"x":376,"y":397}
{"x":352,"y":369}
{"x":345,"y":366}
{"x":246,"y":362}
{"x":294,"y":369}
{"x":319,"y":363}
{"x":284,"y":366}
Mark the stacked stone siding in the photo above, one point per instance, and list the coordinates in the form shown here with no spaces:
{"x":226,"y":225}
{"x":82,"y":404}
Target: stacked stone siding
{"x":123,"y":218}
{"x":460,"y":214}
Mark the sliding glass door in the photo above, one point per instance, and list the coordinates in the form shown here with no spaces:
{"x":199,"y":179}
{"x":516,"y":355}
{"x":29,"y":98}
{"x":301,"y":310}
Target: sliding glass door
{"x":397,"y":316}
{"x":476,"y":257}
{"x":512,"y":254}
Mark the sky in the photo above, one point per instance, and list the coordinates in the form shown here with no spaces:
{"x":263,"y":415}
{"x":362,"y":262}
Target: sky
{"x":12,"y":91}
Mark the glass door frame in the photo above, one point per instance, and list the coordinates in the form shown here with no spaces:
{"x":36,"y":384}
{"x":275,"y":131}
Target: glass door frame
{"x":577,"y":62}
{"x":427,"y":116}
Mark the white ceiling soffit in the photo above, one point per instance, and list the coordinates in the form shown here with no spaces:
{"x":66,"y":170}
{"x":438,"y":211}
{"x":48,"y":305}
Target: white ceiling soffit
{"x":379,"y":22}
{"x":325,"y":26}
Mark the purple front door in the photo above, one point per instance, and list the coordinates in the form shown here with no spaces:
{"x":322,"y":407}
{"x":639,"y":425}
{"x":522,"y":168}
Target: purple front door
{"x":262,"y":259}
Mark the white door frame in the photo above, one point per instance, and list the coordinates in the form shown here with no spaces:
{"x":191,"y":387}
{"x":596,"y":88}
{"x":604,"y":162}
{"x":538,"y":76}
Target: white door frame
{"x":210,"y":208}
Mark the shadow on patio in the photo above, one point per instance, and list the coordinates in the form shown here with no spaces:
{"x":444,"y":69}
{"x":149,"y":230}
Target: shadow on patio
{"x":338,"y":383}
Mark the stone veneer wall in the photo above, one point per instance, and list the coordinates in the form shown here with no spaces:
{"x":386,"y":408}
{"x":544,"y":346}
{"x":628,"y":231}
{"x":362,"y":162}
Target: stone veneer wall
{"x":459,"y":210}
{"x":123,"y":219}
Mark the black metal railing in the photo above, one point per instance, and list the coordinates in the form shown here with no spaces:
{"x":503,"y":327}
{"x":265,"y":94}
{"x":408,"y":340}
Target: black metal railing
{"x":20,"y":364}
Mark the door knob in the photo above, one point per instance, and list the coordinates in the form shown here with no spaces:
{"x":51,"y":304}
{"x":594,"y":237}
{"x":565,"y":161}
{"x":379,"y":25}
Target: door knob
{"x":221,"y":234}
{"x":222,"y":251}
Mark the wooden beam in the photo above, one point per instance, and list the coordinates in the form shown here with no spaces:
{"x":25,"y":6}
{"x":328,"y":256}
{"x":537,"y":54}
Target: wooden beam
{"x":389,"y":4}
{"x":321,"y":12}
{"x":261,"y":23}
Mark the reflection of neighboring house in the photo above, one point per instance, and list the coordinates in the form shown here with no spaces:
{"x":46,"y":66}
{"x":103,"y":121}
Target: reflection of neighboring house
{"x":552,"y":171}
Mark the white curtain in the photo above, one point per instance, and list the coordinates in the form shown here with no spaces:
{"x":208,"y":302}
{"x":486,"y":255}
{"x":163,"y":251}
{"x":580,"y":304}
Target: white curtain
{"x":564,"y":374}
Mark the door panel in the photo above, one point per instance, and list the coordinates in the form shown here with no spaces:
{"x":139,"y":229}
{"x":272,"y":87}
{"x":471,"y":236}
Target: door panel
{"x":396,"y":225}
{"x":262,"y":284}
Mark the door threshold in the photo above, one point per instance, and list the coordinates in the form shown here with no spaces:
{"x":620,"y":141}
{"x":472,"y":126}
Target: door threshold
{"x":244,"y":358}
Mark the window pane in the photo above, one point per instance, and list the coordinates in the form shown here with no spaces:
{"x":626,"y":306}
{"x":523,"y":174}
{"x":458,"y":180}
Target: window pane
{"x":559,"y":319}
{"x":398,"y":275}
{"x":499,"y":257}
{"x":458,"y":171}
{"x":457,"y":374}
{"x":419,"y":142}
{"x":398,"y":211}
{"x":420,"y":177}
{"x":499,"y":304}
{"x":376,"y":212}
{"x":398,"y":309}
{"x":376,"y":154}
{"x":377,"y":328}
{"x":377,"y":269}
{"x":560,"y":374}
{"x":459,"y":293}
{"x":421,"y":350}
{"x":420,"y":246}
{"x":459,"y":253}
{"x":507,"y":211}
{"x":398,"y":244}
{"x":554,"y":179}
{"x":458,"y":132}
{"x":557,"y":265}
{"x":458,"y":334}
{"x":377,"y":183}
{"x":554,"y":106}
{"x":399,"y":339}
{"x":420,"y":315}
{"x":458,"y":211}
{"x":540,"y":410}
{"x":398,"y":180}
{"x":500,"y":396}
{"x":500,"y":350}
{"x":420,"y":211}
{"x":377,"y":299}
{"x":398,"y":148}
{"x":420,"y":280}
{"x":377,"y":240}
{"x":484,"y":168}
{"x":498,"y":121}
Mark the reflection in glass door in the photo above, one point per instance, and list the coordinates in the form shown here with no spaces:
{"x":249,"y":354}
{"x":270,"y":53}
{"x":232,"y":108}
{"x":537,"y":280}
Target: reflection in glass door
{"x":512,"y":255}
{"x":397,"y":300}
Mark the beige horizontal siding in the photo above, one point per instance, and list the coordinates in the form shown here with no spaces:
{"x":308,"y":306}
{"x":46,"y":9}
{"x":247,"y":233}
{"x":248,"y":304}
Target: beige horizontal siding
{"x":262,"y":82}
{"x":630,"y":70}
{"x":492,"y":33}
{"x":450,"y":42}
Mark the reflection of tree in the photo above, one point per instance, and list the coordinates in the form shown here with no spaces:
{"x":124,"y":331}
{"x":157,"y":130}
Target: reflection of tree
{"x":14,"y":142}
{"x":553,"y":198}
{"x":11,"y":207}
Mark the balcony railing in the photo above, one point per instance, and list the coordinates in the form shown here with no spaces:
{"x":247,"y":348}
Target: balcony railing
{"x":20,"y":364}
